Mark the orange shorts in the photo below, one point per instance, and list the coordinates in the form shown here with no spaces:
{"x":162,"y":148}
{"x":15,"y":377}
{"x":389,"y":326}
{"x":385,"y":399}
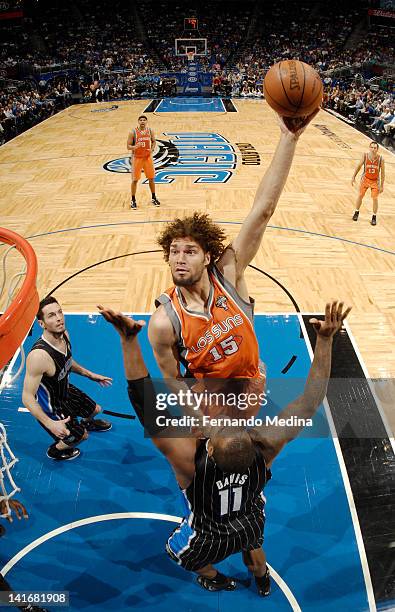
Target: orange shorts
{"x":369,"y":184}
{"x":139,"y":164}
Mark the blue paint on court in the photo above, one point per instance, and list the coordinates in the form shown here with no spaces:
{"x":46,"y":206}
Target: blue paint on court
{"x":190,"y":105}
{"x":121,"y":564}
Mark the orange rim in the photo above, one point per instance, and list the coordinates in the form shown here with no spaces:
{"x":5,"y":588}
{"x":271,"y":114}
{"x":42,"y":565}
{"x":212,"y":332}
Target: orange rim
{"x":19,"y":316}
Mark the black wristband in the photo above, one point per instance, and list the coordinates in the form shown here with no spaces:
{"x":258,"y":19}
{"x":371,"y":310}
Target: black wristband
{"x":142,"y":396}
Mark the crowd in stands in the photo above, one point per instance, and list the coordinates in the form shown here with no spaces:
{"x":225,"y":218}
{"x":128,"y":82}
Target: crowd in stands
{"x":319,"y":40}
{"x":25,"y":105}
{"x":96,"y":36}
{"x":224,"y":28}
{"x":374,"y":110}
{"x":88,"y":36}
{"x":121,"y":53}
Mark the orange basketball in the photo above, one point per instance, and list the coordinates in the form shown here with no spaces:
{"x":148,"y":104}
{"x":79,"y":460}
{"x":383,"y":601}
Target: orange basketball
{"x":293,"y":88}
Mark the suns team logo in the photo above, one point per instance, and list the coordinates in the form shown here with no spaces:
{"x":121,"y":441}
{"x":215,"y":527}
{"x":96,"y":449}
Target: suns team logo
{"x":221,"y":302}
{"x":208,"y":157}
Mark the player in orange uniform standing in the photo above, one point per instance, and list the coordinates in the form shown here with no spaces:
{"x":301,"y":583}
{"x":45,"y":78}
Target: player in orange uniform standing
{"x":205,"y":321}
{"x":141,"y":143}
{"x":373,"y":177}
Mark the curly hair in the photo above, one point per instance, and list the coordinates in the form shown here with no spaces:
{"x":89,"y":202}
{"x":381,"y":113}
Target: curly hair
{"x":201,"y":229}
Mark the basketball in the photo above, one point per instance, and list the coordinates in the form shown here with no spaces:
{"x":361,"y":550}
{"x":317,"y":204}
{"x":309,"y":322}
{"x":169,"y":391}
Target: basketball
{"x":293,"y":88}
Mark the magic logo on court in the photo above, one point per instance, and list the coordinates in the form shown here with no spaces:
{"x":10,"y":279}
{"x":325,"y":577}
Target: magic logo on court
{"x":207,"y":156}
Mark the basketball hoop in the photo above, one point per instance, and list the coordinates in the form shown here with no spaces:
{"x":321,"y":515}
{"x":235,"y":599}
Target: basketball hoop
{"x":19,"y":315}
{"x":190,"y":56}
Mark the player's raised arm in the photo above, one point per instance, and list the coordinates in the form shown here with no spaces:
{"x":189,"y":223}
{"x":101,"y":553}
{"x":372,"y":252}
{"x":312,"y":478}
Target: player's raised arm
{"x":305,"y":406}
{"x":162,"y":339}
{"x":246,"y":244}
{"x":127,"y":329}
{"x":179,"y":451}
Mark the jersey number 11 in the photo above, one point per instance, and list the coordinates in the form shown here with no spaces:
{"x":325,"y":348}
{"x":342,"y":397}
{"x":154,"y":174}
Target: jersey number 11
{"x":237,"y":493}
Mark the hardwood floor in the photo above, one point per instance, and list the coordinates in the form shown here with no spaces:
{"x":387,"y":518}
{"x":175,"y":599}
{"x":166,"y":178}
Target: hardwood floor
{"x":55,"y":190}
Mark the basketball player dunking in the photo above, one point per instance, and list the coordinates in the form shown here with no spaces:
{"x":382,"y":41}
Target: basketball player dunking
{"x":372,"y":178}
{"x":141,"y":143}
{"x":222,"y":475}
{"x":205,"y":321}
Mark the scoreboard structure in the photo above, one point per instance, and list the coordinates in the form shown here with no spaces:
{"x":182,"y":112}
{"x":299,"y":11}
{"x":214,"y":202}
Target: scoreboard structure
{"x":191,"y":24}
{"x":191,"y":43}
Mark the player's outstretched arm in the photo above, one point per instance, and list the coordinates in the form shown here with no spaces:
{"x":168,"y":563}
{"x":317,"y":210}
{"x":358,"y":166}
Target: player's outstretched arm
{"x":180,"y":452}
{"x":162,"y":339}
{"x":305,"y":406}
{"x":104,"y":381}
{"x":135,"y":368}
{"x":127,"y":329}
{"x":247,"y":243}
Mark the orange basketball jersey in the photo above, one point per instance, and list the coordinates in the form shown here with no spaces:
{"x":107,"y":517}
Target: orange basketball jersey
{"x":371,"y":168}
{"x":220,"y":343}
{"x":144,"y":137}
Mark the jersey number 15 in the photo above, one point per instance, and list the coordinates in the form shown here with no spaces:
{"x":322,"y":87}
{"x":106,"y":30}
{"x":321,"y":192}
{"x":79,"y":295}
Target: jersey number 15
{"x":228,"y":346}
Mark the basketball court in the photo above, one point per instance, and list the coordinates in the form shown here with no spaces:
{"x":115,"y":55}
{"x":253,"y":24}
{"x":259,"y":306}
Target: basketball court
{"x":100,"y":523}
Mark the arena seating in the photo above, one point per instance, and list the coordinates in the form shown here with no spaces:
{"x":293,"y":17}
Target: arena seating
{"x":67,"y":52}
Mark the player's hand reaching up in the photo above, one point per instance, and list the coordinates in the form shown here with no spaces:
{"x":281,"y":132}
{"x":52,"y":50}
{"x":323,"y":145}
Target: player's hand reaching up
{"x":334,"y":317}
{"x":125,"y":326}
{"x":296,"y":125}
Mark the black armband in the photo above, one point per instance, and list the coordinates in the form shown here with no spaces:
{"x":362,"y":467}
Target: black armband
{"x":142,"y":396}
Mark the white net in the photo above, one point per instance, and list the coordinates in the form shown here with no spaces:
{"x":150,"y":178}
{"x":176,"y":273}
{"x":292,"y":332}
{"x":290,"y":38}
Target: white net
{"x":8,"y":487}
{"x":14,"y":281}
